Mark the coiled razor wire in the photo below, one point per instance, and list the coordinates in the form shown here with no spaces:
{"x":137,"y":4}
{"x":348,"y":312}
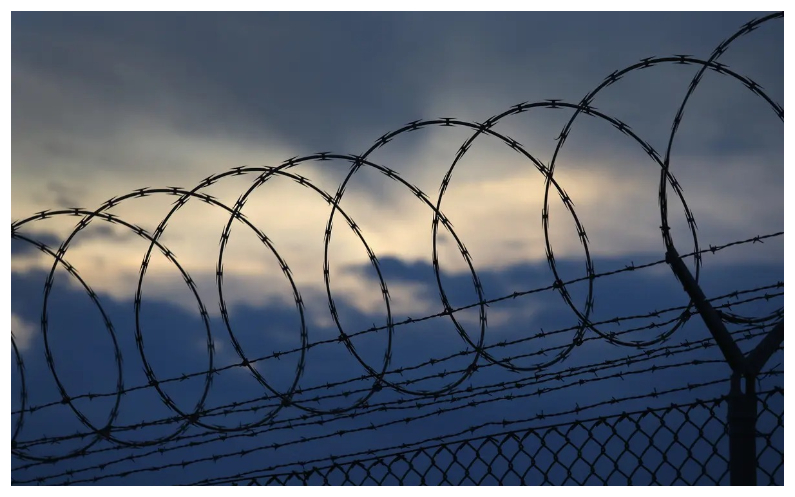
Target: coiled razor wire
{"x":378,"y":374}
{"x":276,"y":355}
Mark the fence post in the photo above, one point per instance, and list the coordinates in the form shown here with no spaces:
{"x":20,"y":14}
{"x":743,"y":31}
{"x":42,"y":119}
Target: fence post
{"x":741,"y":402}
{"x":742,"y":430}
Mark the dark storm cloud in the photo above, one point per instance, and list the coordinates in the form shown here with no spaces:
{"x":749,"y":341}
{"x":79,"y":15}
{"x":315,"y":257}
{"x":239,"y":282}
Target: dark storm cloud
{"x":321,"y":79}
{"x":88,"y":87}
{"x":277,"y":70}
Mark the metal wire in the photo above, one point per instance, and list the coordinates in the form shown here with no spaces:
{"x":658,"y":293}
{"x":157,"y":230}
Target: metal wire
{"x":237,"y":407}
{"x":676,"y":444}
{"x":547,"y":450}
{"x":470,"y":399}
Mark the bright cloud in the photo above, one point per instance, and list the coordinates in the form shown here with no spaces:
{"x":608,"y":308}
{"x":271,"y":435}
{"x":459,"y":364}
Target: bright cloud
{"x":24,"y":332}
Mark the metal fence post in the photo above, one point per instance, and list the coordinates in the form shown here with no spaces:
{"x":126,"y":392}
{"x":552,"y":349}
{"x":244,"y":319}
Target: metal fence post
{"x":742,"y":401}
{"x":742,"y":430}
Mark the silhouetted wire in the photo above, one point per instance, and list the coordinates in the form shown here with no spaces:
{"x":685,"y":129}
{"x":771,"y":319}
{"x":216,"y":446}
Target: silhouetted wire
{"x":645,"y":356}
{"x":471,"y":393}
{"x":472,"y":429}
{"x":235,"y":407}
{"x":379,"y":376}
{"x":343,"y":337}
{"x":386,"y":452}
{"x":514,"y":295}
{"x":23,"y":393}
{"x":665,"y":175}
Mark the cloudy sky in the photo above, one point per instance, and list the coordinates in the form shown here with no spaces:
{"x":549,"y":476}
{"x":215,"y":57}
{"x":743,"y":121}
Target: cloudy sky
{"x":103,"y":104}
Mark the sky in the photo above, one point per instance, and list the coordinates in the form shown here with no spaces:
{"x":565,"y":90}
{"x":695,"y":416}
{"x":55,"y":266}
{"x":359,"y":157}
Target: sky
{"x":104,"y":104}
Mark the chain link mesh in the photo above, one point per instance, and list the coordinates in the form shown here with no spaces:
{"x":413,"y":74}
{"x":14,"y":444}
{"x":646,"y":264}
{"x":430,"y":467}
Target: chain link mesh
{"x":685,"y":444}
{"x":770,"y":438}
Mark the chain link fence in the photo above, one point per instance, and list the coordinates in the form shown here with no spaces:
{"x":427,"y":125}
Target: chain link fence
{"x":679,"y":444}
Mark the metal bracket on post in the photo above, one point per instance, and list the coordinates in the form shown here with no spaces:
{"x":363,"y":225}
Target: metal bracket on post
{"x":742,"y":402}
